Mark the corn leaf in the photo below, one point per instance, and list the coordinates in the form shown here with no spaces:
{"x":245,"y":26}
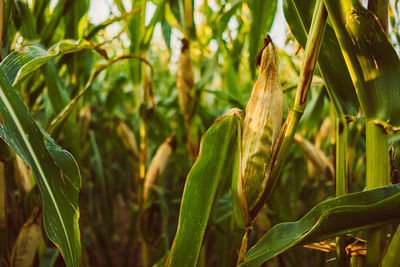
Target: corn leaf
{"x":331,"y":63}
{"x":328,"y":219}
{"x":148,"y":33}
{"x":49,"y":28}
{"x":19,"y":64}
{"x":24,"y":20}
{"x":392,"y":255}
{"x":54,"y":169}
{"x":263,"y":14}
{"x":231,"y":78}
{"x":59,"y":99}
{"x":372,"y":61}
{"x":213,"y":164}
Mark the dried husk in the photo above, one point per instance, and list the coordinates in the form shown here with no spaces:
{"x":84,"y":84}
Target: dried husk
{"x":261,"y":125}
{"x":23,"y":173}
{"x":129,"y":138}
{"x":185,"y":82}
{"x":321,"y":162}
{"x":28,"y":239}
{"x":158,"y":164}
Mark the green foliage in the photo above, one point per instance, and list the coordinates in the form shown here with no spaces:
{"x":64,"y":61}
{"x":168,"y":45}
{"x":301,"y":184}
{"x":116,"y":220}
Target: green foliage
{"x":331,"y":218}
{"x":218,"y":146}
{"x":55,"y":171}
{"x":106,"y":91}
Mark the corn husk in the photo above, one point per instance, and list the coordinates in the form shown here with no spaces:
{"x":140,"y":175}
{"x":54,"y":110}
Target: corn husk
{"x":25,"y":180}
{"x":321,"y":162}
{"x":28,"y":239}
{"x":158,"y":164}
{"x":261,"y":125}
{"x":185,"y":82}
{"x":129,"y":138}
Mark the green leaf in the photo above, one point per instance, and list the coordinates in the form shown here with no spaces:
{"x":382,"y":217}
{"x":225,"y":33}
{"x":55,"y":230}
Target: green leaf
{"x":136,"y":32}
{"x":24,"y":20}
{"x":54,"y":169}
{"x":93,"y":31}
{"x":328,"y":219}
{"x":166,"y":31}
{"x":392,"y":255}
{"x":214,"y":162}
{"x":59,"y":99}
{"x":224,"y":17}
{"x":263,"y":14}
{"x":157,"y":17}
{"x":370,"y":58}
{"x":19,"y":64}
{"x":48,"y":30}
{"x":231,"y":78}
{"x":331,"y":63}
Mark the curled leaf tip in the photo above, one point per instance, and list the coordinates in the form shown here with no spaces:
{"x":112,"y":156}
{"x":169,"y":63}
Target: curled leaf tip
{"x":172,"y":141}
{"x":185,"y":45}
{"x":267,"y":40}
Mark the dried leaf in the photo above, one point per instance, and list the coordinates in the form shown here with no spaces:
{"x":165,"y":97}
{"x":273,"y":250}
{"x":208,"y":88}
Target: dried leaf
{"x":158,"y":164}
{"x":23,"y":175}
{"x":129,"y":138}
{"x":185,"y":82}
{"x":27,"y":241}
{"x":317,"y":157}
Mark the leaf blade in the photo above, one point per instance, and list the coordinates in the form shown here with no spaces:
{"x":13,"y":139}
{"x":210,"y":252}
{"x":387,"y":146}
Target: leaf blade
{"x":201,"y":188}
{"x":58,"y":185}
{"x":330,"y":218}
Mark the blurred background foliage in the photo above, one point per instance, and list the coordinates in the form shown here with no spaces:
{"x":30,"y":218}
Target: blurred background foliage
{"x":131,"y":109}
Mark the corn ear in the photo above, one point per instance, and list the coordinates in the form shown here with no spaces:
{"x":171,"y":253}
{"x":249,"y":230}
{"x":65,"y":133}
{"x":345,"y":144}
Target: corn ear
{"x":158,"y":164}
{"x":129,"y":138}
{"x":185,"y":82}
{"x":25,"y":180}
{"x":28,"y":239}
{"x":261,"y":125}
{"x":323,"y":165}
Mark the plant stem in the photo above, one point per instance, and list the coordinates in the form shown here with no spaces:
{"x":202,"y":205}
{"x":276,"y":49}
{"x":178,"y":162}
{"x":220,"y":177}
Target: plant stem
{"x":378,"y":174}
{"x":238,"y":234}
{"x":3,"y":216}
{"x":341,"y":156}
{"x":341,"y":181}
{"x":378,"y":162}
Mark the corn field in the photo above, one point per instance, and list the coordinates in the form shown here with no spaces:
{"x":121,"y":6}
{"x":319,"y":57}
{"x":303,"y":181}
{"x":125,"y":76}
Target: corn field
{"x":199,"y":133}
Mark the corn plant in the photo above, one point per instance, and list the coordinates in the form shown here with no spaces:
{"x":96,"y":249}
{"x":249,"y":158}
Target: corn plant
{"x":181,"y":133}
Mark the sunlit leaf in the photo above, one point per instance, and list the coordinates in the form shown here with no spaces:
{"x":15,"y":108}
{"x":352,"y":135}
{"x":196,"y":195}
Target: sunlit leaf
{"x":55,"y":171}
{"x":331,"y":63}
{"x":213,"y":163}
{"x":331,"y":218}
